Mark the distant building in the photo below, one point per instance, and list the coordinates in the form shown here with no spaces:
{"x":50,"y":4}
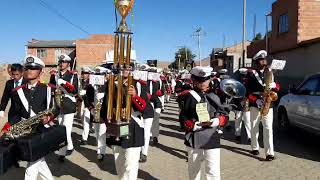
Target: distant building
{"x":295,"y":37}
{"x":229,"y":58}
{"x":90,"y":51}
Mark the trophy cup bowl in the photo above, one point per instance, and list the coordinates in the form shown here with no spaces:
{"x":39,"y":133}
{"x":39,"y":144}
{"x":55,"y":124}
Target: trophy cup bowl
{"x":124,"y":7}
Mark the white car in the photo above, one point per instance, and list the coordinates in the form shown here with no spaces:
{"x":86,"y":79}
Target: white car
{"x":301,"y":107}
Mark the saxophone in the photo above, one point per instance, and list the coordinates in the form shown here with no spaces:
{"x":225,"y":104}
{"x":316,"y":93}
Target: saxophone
{"x":26,"y":127}
{"x":268,"y":95}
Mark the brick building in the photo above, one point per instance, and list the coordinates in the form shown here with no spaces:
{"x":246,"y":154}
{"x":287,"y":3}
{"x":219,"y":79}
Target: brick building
{"x":295,"y":37}
{"x":49,"y":51}
{"x":89,"y":51}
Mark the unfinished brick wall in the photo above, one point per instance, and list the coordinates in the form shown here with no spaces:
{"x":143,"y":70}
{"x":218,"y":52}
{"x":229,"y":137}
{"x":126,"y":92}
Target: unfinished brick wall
{"x":309,"y":20}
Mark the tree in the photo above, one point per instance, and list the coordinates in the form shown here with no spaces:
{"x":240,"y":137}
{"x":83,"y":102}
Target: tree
{"x":184,"y":54}
{"x":257,"y":38}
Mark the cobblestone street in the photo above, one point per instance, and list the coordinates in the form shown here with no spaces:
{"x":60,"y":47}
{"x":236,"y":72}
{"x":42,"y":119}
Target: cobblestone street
{"x":296,"y":157}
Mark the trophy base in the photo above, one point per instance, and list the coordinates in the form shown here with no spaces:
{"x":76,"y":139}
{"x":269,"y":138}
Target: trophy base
{"x":117,"y":129}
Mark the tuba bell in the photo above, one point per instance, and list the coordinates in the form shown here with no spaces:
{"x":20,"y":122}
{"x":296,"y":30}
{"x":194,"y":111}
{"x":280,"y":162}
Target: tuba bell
{"x":233,"y":88}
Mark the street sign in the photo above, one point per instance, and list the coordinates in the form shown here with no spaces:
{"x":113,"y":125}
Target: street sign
{"x":278,"y":64}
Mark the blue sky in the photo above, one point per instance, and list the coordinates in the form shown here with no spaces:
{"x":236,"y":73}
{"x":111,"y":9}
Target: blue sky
{"x":160,"y":26}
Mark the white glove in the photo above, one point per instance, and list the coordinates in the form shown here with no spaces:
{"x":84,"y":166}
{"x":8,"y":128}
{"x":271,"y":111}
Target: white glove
{"x":197,"y":126}
{"x":259,"y":103}
{"x":1,"y":114}
{"x":215,"y":122}
{"x":100,"y":96}
{"x":61,"y":81}
{"x":273,"y":85}
{"x":82,"y":92}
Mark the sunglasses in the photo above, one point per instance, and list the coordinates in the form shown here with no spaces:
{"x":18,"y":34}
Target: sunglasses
{"x":61,"y":61}
{"x":32,"y":68}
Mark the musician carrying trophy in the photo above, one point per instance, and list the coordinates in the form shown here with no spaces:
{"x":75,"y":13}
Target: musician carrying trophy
{"x":119,"y":100}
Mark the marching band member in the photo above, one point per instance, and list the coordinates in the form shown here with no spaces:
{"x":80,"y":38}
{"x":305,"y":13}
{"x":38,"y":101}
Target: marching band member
{"x":99,"y":127}
{"x":243,"y":113}
{"x":156,"y":93}
{"x":202,"y":115}
{"x":28,"y":100}
{"x":85,"y":115}
{"x":127,"y":150}
{"x":255,"y":89}
{"x":18,"y":80}
{"x":143,"y":91}
{"x":68,"y":81}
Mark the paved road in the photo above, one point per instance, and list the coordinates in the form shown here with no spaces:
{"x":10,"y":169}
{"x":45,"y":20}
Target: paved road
{"x":297,"y":157}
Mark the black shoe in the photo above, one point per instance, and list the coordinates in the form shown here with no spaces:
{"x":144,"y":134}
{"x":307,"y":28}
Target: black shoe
{"x":61,"y":158}
{"x":91,"y":131}
{"x":254,"y":152}
{"x":84,"y":142}
{"x":100,"y":157}
{"x":249,"y":141}
{"x":155,"y":141}
{"x":269,"y":158}
{"x":143,"y":158}
{"x":69,"y":152}
{"x":16,"y":164}
{"x":238,"y":138}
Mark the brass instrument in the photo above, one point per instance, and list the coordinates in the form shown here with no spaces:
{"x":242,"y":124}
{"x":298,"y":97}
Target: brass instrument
{"x":245,"y":104}
{"x":26,"y":127}
{"x":233,"y":88}
{"x":118,"y":114}
{"x":268,"y":95}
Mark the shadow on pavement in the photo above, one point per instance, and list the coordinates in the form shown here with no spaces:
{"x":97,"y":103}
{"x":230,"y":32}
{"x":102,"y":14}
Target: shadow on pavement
{"x":67,"y":168}
{"x":297,"y":143}
{"x":166,"y":118}
{"x":173,"y":151}
{"x":172,"y":134}
{"x":173,"y":127}
{"x":145,"y":175}
{"x":169,"y":113}
{"x":241,"y":151}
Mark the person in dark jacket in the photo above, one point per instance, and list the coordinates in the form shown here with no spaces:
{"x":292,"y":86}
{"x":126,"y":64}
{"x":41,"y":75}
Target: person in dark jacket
{"x":127,"y":149}
{"x":203,"y":115}
{"x":67,"y":81}
{"x":255,"y":91}
{"x":17,"y":80}
{"x":29,"y":99}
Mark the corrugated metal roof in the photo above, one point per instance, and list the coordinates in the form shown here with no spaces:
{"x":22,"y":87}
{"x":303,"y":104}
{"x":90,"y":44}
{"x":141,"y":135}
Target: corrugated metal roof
{"x":52,"y":44}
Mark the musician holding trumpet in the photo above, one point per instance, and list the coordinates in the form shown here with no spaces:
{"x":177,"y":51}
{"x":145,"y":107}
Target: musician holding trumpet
{"x":261,"y":92}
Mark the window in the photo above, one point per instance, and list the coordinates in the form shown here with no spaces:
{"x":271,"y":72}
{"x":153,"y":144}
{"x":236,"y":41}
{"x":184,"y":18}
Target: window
{"x":284,"y":23}
{"x":41,"y":53}
{"x":309,"y":88}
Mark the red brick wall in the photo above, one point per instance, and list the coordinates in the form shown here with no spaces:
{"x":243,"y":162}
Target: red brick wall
{"x":92,"y":51}
{"x":309,"y":20}
{"x":283,"y":41}
{"x":49,"y":59}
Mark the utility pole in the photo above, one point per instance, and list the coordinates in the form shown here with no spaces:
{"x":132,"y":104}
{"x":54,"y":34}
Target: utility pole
{"x":244,"y":32}
{"x":267,"y":32}
{"x":198,"y":33}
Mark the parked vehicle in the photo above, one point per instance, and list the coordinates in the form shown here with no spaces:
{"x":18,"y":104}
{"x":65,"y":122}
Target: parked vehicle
{"x":301,"y":107}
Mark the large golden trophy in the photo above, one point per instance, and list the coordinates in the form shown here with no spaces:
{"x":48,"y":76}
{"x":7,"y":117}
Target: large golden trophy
{"x":119,"y":109}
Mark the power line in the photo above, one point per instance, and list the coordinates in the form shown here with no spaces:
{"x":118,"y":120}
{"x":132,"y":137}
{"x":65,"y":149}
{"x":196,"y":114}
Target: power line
{"x":56,"y":12}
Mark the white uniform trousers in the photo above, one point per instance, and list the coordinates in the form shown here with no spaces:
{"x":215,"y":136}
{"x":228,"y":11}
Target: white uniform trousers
{"x":167,"y":97}
{"x":267,"y":130}
{"x":67,"y":121}
{"x":162,"y":101}
{"x":100,"y":132}
{"x":127,"y":162}
{"x":244,"y":117}
{"x":38,"y":167}
{"x":147,"y":134}
{"x":86,"y":124}
{"x":211,"y":158}
{"x":155,"y":124}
